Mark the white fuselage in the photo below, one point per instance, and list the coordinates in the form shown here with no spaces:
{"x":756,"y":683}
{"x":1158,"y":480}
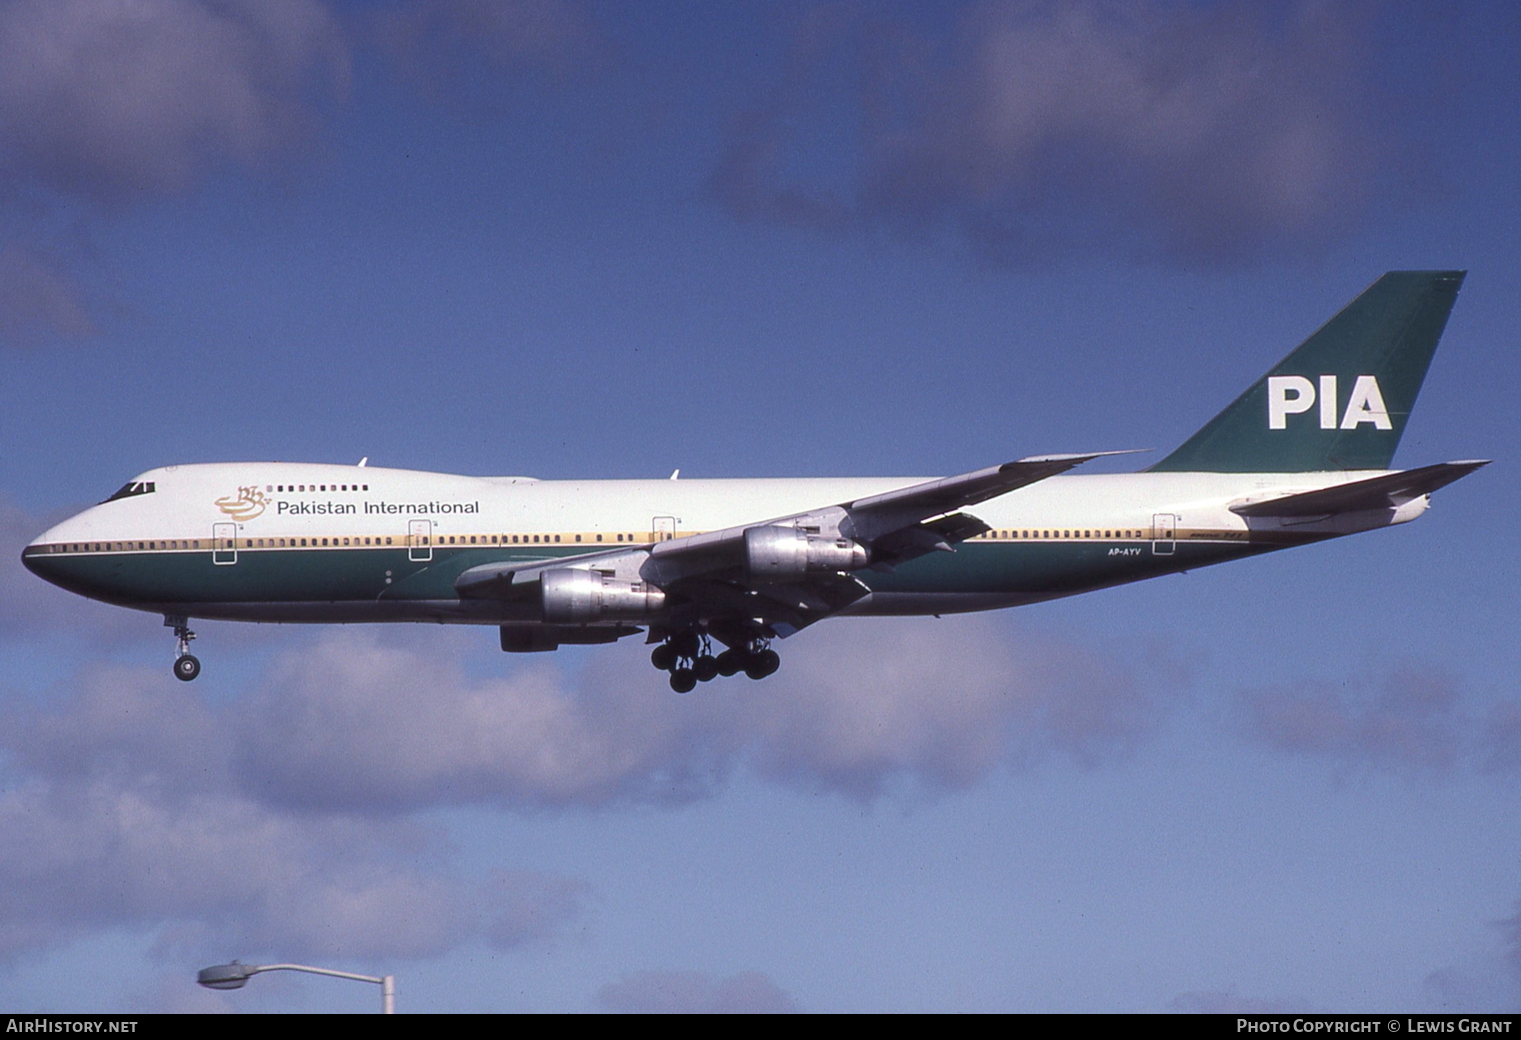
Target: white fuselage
{"x":354,"y":541}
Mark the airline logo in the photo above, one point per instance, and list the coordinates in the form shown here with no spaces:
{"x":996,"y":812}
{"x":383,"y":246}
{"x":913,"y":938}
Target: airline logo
{"x":1290,"y":395}
{"x":248,"y":503}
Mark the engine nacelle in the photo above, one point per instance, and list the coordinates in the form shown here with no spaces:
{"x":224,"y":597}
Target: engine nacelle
{"x":577,"y":597}
{"x":532,"y":637}
{"x":779,"y":553}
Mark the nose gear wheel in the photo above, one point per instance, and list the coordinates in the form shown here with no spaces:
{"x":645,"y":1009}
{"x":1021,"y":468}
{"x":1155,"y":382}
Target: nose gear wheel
{"x":186,"y":665}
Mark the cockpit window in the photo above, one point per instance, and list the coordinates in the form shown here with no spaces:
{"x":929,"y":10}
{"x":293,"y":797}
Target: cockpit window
{"x":135,"y":487}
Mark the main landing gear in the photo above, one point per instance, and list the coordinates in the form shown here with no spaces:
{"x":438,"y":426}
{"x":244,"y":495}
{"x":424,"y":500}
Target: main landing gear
{"x":186,"y":666}
{"x":688,"y":656}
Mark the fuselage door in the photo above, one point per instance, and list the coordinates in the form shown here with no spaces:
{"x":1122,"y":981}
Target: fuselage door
{"x":1164,"y":529}
{"x":663,"y":528}
{"x":224,"y":543}
{"x":420,"y":541}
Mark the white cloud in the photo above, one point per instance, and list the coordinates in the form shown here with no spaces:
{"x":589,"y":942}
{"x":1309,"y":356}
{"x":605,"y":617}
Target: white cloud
{"x":857,"y":707}
{"x":1409,"y":719}
{"x":557,"y":34}
{"x":1031,"y":130}
{"x":111,"y":98}
{"x":282,"y":821}
{"x":121,"y":811}
{"x":1227,"y":1002}
{"x":695,"y":993}
{"x":118,"y":101}
{"x":37,"y":298}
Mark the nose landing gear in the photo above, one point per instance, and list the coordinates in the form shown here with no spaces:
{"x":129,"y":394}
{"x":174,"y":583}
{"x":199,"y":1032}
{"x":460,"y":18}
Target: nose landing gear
{"x":186,"y":665}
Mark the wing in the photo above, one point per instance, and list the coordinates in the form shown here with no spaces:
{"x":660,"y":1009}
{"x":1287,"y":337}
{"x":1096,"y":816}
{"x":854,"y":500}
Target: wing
{"x":786,"y":572}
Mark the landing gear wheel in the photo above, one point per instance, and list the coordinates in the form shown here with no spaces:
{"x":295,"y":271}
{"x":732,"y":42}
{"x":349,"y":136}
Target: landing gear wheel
{"x":683,"y":681}
{"x":762,"y":664}
{"x":663,"y":657}
{"x":729,"y":662}
{"x":705,"y":668}
{"x":186,"y":667}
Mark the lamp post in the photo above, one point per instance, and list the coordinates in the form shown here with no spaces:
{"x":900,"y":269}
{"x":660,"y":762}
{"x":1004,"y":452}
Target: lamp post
{"x":236,"y":976}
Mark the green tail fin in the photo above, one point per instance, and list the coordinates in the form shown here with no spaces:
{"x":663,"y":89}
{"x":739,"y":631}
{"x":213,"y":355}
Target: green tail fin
{"x":1341,"y":399}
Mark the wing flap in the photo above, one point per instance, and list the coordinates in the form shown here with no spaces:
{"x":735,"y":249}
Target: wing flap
{"x":930,"y":536}
{"x":785,"y":606}
{"x":512,"y":579}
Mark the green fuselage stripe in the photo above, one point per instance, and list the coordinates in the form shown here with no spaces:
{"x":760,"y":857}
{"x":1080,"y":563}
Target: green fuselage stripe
{"x":366,"y":574}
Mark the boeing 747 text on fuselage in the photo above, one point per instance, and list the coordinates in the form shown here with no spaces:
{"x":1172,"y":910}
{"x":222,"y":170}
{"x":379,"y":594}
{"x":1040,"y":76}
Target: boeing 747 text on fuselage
{"x":1302,"y":456}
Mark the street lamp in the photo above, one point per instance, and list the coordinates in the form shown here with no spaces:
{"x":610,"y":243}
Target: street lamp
{"x":236,"y":976}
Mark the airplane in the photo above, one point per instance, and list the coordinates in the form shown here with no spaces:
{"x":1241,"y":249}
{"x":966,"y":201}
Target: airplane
{"x":1302,"y":456}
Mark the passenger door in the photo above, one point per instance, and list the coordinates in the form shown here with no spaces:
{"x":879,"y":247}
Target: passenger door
{"x":224,"y":544}
{"x":420,"y":541}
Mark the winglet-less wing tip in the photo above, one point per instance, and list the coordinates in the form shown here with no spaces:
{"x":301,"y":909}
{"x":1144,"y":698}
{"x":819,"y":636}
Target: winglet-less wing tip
{"x":1077,"y":457}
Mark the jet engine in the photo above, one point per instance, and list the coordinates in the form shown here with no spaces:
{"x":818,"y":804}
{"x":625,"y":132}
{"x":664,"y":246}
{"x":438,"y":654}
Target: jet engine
{"x":786,"y":552}
{"x":571,"y":597}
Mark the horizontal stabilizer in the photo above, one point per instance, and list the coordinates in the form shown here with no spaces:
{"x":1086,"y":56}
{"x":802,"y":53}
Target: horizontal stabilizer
{"x":1385,"y":492}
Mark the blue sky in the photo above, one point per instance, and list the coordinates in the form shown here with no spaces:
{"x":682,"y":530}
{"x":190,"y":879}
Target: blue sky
{"x":611,"y":240}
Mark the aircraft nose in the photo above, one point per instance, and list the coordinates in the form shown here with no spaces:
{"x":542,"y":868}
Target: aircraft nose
{"x":35,"y":558}
{"x":45,"y":558}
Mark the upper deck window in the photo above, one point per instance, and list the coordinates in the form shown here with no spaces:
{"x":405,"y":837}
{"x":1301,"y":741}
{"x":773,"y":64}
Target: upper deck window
{"x":135,"y":487}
